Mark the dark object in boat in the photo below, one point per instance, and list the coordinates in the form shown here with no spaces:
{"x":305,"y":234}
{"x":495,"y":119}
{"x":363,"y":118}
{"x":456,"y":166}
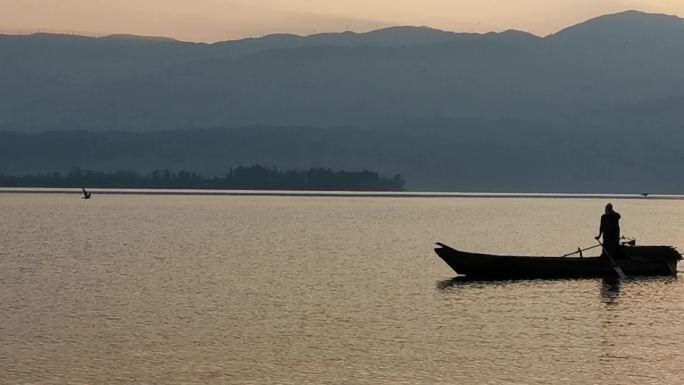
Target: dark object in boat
{"x":637,"y":261}
{"x":86,"y":194}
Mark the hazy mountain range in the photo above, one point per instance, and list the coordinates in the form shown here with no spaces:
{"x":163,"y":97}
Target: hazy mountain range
{"x":402,"y":100}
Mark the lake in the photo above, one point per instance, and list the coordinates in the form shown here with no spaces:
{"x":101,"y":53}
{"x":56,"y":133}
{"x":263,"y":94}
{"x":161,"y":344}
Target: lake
{"x":323,"y":290}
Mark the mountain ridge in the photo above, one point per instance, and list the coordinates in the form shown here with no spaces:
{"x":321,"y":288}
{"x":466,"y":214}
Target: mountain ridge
{"x":349,"y":78}
{"x":633,"y":14}
{"x":451,"y":111}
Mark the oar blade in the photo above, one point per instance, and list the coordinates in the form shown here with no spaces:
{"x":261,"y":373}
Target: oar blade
{"x":616,"y":267}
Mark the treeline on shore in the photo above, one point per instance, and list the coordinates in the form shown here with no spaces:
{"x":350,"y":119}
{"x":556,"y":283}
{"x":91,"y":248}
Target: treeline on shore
{"x":254,"y":177}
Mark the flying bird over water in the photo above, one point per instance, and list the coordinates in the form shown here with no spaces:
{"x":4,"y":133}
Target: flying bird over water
{"x":86,"y":194}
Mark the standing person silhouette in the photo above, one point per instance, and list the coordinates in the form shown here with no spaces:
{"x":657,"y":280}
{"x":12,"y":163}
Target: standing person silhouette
{"x":610,"y":229}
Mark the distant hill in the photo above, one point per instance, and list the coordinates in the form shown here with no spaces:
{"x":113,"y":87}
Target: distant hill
{"x":432,"y":155}
{"x":57,"y":82}
{"x":627,"y":27}
{"x":596,"y":107}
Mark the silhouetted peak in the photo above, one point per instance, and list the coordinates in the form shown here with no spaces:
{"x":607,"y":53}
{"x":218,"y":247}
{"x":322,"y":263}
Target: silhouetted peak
{"x":63,"y":37}
{"x":383,"y":33}
{"x":385,"y":37}
{"x":129,"y":37}
{"x":274,"y":40}
{"x":419,"y":35}
{"x":275,"y":37}
{"x":518,"y":34}
{"x":510,"y":35}
{"x":397,"y":36}
{"x":53,"y":36}
{"x":406,"y":35}
{"x":627,"y":25}
{"x":408,"y":29}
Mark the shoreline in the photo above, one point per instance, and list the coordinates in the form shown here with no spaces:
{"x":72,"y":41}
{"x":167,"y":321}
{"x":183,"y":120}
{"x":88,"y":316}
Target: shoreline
{"x":332,"y":194}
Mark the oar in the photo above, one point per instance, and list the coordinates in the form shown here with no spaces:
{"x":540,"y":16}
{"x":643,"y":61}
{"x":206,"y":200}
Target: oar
{"x":579,"y":251}
{"x":616,"y":267}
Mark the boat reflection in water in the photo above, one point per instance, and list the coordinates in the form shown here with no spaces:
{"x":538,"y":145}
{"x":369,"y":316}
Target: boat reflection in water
{"x":610,"y":289}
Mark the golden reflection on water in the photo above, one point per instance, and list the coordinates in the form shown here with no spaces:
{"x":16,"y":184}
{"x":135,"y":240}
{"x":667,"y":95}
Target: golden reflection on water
{"x":290,"y":290}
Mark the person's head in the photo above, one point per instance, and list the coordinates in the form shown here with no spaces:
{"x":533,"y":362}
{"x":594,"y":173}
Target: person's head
{"x":609,"y":208}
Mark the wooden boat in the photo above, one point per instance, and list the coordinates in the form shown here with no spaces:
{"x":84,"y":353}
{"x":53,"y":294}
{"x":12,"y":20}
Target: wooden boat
{"x":636,"y":261}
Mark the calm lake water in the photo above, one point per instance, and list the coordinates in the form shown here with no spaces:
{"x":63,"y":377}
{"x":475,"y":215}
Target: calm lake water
{"x":323,"y":290}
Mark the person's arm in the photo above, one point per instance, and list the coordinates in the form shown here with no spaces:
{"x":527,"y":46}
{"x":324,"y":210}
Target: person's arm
{"x":600,"y":230}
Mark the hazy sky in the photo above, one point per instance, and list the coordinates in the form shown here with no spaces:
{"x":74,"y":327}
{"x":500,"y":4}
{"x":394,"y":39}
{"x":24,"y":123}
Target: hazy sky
{"x":212,"y":20}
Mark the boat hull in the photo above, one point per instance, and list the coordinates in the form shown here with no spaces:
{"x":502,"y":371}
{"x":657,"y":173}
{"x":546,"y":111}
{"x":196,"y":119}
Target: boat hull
{"x":638,"y":261}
